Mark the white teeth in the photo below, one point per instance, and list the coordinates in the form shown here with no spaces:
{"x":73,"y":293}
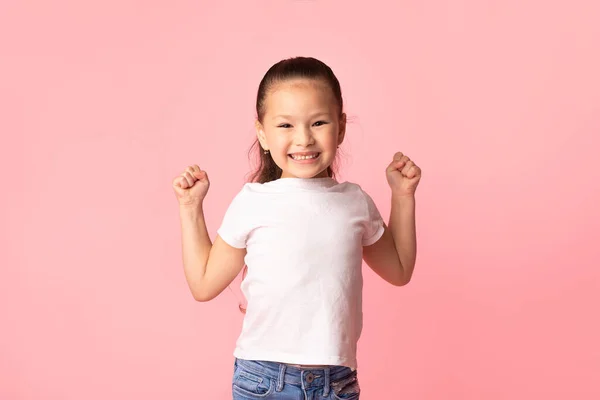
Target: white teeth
{"x":295,"y":157}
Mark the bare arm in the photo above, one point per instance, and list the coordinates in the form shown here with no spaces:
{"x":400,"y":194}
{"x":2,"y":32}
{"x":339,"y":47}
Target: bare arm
{"x":209,"y":268}
{"x":393,"y":256}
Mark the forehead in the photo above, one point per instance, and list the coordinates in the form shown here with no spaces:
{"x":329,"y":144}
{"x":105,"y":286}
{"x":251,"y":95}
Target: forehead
{"x":299,"y":95}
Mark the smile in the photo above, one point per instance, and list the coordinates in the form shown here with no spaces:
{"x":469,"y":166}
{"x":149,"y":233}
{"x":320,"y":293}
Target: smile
{"x":304,"y":156}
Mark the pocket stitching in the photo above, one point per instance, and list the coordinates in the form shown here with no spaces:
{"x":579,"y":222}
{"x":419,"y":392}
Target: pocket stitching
{"x":251,"y":377}
{"x":245,"y":392}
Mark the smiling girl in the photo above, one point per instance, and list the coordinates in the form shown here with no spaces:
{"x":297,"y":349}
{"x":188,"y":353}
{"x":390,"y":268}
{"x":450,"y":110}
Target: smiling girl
{"x":303,"y":237}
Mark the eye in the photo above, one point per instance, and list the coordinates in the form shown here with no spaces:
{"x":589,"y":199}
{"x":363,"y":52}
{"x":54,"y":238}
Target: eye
{"x":320,"y":123}
{"x":284,"y":126}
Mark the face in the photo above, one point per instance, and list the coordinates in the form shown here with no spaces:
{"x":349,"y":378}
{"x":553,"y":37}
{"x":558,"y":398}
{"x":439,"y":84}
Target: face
{"x":302,"y":127}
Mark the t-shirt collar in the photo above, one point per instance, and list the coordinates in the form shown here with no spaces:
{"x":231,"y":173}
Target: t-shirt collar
{"x":305,"y":182}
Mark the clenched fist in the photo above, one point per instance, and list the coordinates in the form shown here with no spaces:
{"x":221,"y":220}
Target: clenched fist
{"x":191,"y":186}
{"x":403,"y":175}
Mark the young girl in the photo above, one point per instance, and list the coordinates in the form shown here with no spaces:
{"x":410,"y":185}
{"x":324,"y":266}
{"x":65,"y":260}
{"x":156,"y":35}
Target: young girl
{"x":303,"y":237}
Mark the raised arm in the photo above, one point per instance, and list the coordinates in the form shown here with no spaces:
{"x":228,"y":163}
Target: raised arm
{"x":209,"y":268}
{"x":393,"y":257}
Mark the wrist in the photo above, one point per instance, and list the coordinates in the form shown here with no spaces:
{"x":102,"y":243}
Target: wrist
{"x":191,"y":210}
{"x":403,"y":197}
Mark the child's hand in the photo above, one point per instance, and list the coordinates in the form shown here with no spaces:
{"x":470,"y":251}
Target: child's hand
{"x":191,"y":186}
{"x":403,"y":175}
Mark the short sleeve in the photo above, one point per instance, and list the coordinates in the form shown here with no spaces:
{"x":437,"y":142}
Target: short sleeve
{"x":374,"y":226}
{"x":236,"y":224}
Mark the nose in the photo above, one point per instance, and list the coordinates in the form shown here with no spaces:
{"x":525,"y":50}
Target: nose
{"x":303,"y":137}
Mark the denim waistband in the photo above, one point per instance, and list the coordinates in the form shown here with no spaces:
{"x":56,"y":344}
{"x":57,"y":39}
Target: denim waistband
{"x":293,"y":375}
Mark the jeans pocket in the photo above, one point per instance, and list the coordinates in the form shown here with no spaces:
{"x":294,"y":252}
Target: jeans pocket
{"x":346,"y":388}
{"x":252,"y":385}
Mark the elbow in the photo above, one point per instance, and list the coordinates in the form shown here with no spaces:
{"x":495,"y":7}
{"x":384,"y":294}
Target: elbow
{"x":404,"y":275}
{"x":201,"y":294}
{"x":202,"y":297}
{"x":401,"y":282}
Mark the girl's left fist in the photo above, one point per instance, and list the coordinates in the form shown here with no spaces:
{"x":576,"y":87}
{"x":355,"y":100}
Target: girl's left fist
{"x":403,"y":175}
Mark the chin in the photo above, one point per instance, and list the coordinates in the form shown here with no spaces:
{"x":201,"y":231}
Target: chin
{"x":308,"y":174}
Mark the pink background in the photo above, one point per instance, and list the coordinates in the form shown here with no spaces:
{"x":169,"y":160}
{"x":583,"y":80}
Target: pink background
{"x":103,"y":104}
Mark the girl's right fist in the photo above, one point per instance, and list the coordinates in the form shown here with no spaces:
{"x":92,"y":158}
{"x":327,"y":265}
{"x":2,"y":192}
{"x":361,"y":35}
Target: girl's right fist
{"x":191,"y":186}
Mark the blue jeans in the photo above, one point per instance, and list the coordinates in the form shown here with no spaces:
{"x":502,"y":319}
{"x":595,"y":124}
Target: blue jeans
{"x":272,"y":380}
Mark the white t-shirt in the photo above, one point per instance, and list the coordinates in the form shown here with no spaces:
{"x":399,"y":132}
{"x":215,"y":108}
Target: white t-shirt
{"x":304,"y":240}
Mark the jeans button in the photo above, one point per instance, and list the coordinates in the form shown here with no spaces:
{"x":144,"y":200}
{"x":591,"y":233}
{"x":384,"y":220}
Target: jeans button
{"x":310,"y":377}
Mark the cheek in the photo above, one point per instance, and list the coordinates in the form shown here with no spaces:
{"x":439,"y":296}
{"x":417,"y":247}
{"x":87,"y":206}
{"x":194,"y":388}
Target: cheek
{"x":279,"y":146}
{"x":329,"y":138}
{"x":280,"y":143}
{"x":274,"y":140}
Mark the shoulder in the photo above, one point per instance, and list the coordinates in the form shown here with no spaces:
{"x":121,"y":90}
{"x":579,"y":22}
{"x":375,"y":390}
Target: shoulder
{"x":243,"y":196}
{"x":254,"y":188}
{"x":361,"y":196}
{"x":252,"y":192}
{"x":356,"y":195}
{"x":353,"y":188}
{"x":250,"y":188}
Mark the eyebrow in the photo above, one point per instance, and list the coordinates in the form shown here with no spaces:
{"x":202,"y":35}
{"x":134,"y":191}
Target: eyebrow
{"x":317,"y":114}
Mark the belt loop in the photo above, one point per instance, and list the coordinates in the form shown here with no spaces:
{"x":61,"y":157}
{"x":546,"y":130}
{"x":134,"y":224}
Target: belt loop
{"x":281,"y":378}
{"x":326,"y":383}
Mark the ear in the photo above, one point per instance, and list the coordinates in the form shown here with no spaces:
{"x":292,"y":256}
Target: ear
{"x":260,"y":134}
{"x":342,"y":131}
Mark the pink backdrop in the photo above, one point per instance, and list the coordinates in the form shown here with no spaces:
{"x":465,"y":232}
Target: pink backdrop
{"x":103,"y":104}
